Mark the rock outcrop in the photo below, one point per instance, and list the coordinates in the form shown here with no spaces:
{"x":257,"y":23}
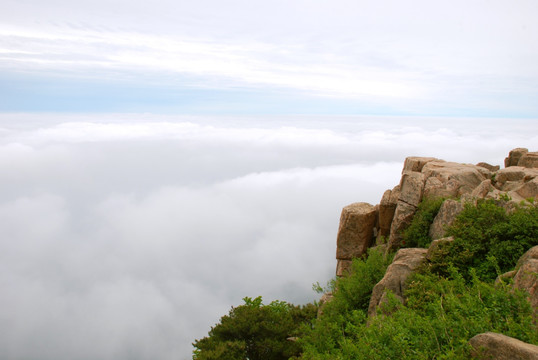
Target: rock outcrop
{"x":356,"y":230}
{"x":395,"y":279}
{"x":501,"y":347}
{"x":526,"y":277}
{"x":426,"y":177}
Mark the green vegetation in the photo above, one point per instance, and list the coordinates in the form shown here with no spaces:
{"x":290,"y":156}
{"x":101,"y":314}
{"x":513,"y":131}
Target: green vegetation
{"x":450,"y":299}
{"x":256,"y":331}
{"x":488,"y":239}
{"x":416,"y":235}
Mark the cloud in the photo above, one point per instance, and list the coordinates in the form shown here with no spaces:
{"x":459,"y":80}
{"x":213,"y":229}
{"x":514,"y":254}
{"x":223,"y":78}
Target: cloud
{"x":441,"y":59}
{"x":128,"y":236}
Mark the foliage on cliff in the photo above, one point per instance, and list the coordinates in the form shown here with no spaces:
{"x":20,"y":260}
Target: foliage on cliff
{"x":451,"y":298}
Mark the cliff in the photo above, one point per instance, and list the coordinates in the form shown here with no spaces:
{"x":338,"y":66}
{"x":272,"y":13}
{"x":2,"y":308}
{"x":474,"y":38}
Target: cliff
{"x":363,"y":225}
{"x":453,"y":187}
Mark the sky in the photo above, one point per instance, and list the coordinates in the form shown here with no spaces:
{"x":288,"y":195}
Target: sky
{"x":160,"y":161}
{"x":457,"y":58}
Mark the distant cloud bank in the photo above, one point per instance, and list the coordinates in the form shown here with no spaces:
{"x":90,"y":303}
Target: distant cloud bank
{"x":127,"y":236}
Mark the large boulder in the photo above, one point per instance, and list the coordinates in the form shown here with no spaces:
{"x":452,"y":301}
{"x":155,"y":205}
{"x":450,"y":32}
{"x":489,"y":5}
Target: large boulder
{"x":395,"y":279}
{"x":526,"y":277}
{"x":529,"y":160}
{"x":356,"y":230}
{"x":496,"y":346}
{"x":482,"y":190}
{"x":514,"y":156}
{"x":444,"y":218}
{"x":387,"y":207}
{"x":527,"y":190}
{"x":416,"y":163}
{"x":411,"y":188}
{"x":402,"y":218}
{"x":490,"y":167}
{"x":455,"y":179}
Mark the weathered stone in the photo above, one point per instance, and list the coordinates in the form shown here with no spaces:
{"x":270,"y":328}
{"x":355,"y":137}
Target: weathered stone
{"x":387,"y":207}
{"x":402,"y":218}
{"x":445,"y":217}
{"x":528,"y":189}
{"x":343,"y":267}
{"x":356,"y":230}
{"x":404,"y":263}
{"x":513,"y":173}
{"x":485,"y":165}
{"x":529,"y":160}
{"x":435,"y":245}
{"x":411,"y":187}
{"x":494,"y":346}
{"x":458,"y":179}
{"x":482,"y":190}
{"x":514,"y":156}
{"x":526,"y":277}
{"x":416,"y":163}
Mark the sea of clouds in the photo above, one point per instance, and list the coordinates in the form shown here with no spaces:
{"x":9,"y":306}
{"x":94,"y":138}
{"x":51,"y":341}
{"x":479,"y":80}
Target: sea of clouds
{"x":127,"y":236}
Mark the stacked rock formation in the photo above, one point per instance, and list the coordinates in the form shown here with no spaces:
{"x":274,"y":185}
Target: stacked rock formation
{"x":364,"y":225}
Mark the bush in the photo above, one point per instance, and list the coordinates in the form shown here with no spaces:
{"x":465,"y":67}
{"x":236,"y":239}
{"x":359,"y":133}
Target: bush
{"x":348,"y":306}
{"x":489,"y":239}
{"x":417,"y":234}
{"x":255,"y":331}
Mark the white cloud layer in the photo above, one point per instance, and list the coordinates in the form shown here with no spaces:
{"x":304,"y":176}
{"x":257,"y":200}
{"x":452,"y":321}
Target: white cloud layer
{"x":128,"y":236}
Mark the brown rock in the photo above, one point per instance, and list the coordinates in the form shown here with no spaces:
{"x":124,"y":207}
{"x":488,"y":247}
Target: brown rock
{"x":513,"y":173}
{"x":491,"y":168}
{"x":458,"y":179}
{"x":404,"y":263}
{"x":526,"y":277}
{"x":528,"y":189}
{"x":411,"y":187}
{"x":514,"y":156}
{"x":445,"y":217}
{"x":529,"y":160}
{"x":482,"y":190}
{"x":387,"y":207}
{"x":343,"y":267}
{"x":402,"y":218}
{"x":416,"y":163}
{"x":496,"y":346}
{"x":356,"y":230}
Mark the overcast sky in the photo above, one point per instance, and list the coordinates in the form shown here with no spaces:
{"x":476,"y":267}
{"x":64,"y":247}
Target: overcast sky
{"x":464,"y":58}
{"x":160,"y":161}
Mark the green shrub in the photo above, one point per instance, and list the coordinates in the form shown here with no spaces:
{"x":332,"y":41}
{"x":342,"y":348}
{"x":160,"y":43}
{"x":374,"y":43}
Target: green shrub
{"x":417,"y":234}
{"x":489,"y":239}
{"x":255,"y":331}
{"x":348,"y":307}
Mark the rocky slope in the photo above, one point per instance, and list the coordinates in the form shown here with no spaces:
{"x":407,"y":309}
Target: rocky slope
{"x":363,"y":225}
